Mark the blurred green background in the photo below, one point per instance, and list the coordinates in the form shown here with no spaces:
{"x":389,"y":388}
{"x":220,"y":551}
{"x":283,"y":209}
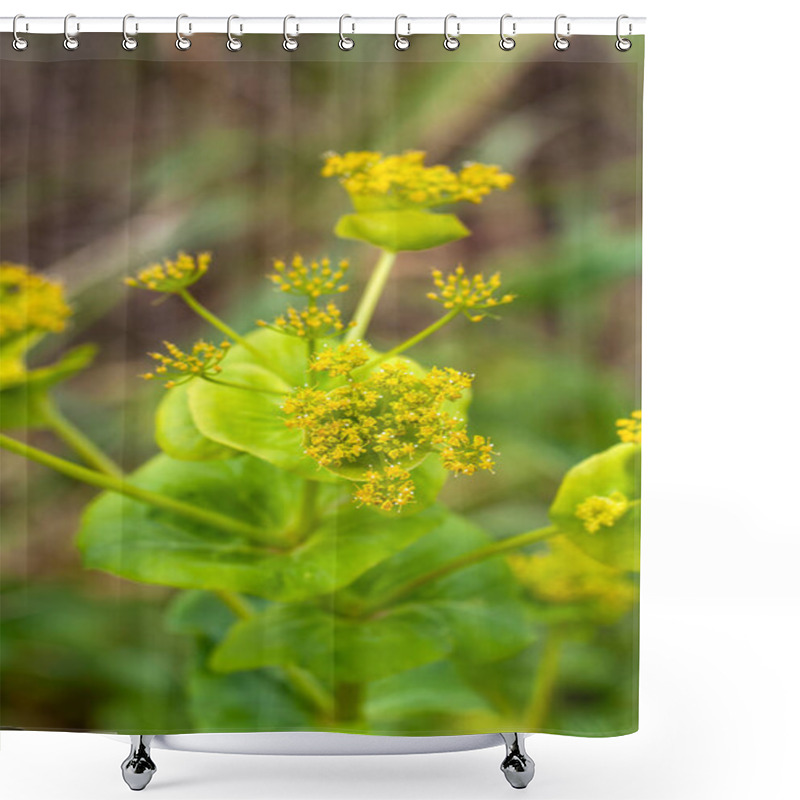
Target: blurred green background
{"x":110,"y":160}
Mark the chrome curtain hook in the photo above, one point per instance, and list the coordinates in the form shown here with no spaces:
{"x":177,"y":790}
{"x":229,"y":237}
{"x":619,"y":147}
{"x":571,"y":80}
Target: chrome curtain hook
{"x":234,"y":43}
{"x":345,"y":42}
{"x":560,"y":42}
{"x":290,"y":43}
{"x":70,"y":41}
{"x":451,"y":42}
{"x":401,"y":42}
{"x":182,"y":42}
{"x":129,"y":42}
{"x":623,"y":45}
{"x":506,"y":41}
{"x":18,"y":43}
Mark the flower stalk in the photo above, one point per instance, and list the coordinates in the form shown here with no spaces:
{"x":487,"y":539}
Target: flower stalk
{"x":371,"y":296}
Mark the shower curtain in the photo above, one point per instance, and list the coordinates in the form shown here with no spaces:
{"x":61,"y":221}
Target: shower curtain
{"x":319,"y":386}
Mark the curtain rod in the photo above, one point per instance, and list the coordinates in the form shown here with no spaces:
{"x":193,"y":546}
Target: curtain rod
{"x":298,"y":25}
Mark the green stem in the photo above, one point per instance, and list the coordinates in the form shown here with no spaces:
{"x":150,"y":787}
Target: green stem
{"x":235,"y":603}
{"x":371,"y":295}
{"x":79,"y":442}
{"x":214,"y":320}
{"x":546,"y":679}
{"x":467,"y":560}
{"x":408,"y":343}
{"x":119,"y":485}
{"x":233,"y":385}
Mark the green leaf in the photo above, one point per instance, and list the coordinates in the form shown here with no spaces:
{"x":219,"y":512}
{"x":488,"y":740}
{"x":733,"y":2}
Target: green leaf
{"x":251,"y":420}
{"x":24,"y":396}
{"x":352,"y":650}
{"x":482,"y":606}
{"x":247,"y":701}
{"x":614,"y":470}
{"x":401,"y":230}
{"x":136,"y":541}
{"x":178,"y":436}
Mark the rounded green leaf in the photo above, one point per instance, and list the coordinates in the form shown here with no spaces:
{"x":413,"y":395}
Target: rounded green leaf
{"x":176,"y":432}
{"x":401,"y":230}
{"x":615,"y":470}
{"x":133,"y":540}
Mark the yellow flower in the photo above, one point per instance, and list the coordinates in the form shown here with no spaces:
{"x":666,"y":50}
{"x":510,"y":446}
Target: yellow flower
{"x":630,"y":430}
{"x":341,"y":360}
{"x":172,"y":276}
{"x":177,"y":367}
{"x":565,"y":574}
{"x":29,"y":303}
{"x":404,"y":181}
{"x":601,"y":512}
{"x":459,"y":292}
{"x":387,"y":489}
{"x":391,"y":418}
{"x":314,"y":322}
{"x":311,"y":280}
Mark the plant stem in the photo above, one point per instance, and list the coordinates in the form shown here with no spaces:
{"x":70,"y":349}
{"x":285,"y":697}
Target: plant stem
{"x":408,"y":343}
{"x":78,"y":441}
{"x":466,"y":560}
{"x":546,"y":677}
{"x":121,"y":486}
{"x":214,"y":320}
{"x":235,"y":603}
{"x":372,"y":293}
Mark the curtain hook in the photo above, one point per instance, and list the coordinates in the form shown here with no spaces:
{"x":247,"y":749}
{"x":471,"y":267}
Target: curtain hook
{"x":401,"y":42}
{"x":18,"y":43}
{"x":234,"y":43}
{"x":451,"y":42}
{"x":345,"y":42}
{"x":507,"y":42}
{"x":623,"y":45}
{"x":290,"y":43}
{"x":70,"y":41}
{"x":182,"y":42}
{"x":129,"y":42}
{"x":560,"y":42}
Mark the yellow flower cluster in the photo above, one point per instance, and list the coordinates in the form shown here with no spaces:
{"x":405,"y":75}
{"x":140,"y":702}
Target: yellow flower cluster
{"x":566,"y":575}
{"x":340,"y":360}
{"x":386,"y":489}
{"x":392,"y":418}
{"x":177,"y":367}
{"x":172,"y":276}
{"x":630,"y":429}
{"x":311,"y":280}
{"x":314,"y":322}
{"x":29,"y":303}
{"x":459,"y":292}
{"x":406,"y":179}
{"x":601,"y":512}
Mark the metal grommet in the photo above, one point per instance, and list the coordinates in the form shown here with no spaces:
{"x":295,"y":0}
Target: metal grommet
{"x":182,"y":42}
{"x":451,"y":42}
{"x":623,"y":45}
{"x":401,"y":42}
{"x":345,"y":42}
{"x":560,"y":42}
{"x":18,"y":43}
{"x":128,"y":42}
{"x":290,"y":43}
{"x":234,"y":43}
{"x":70,"y":41}
{"x":506,"y":42}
